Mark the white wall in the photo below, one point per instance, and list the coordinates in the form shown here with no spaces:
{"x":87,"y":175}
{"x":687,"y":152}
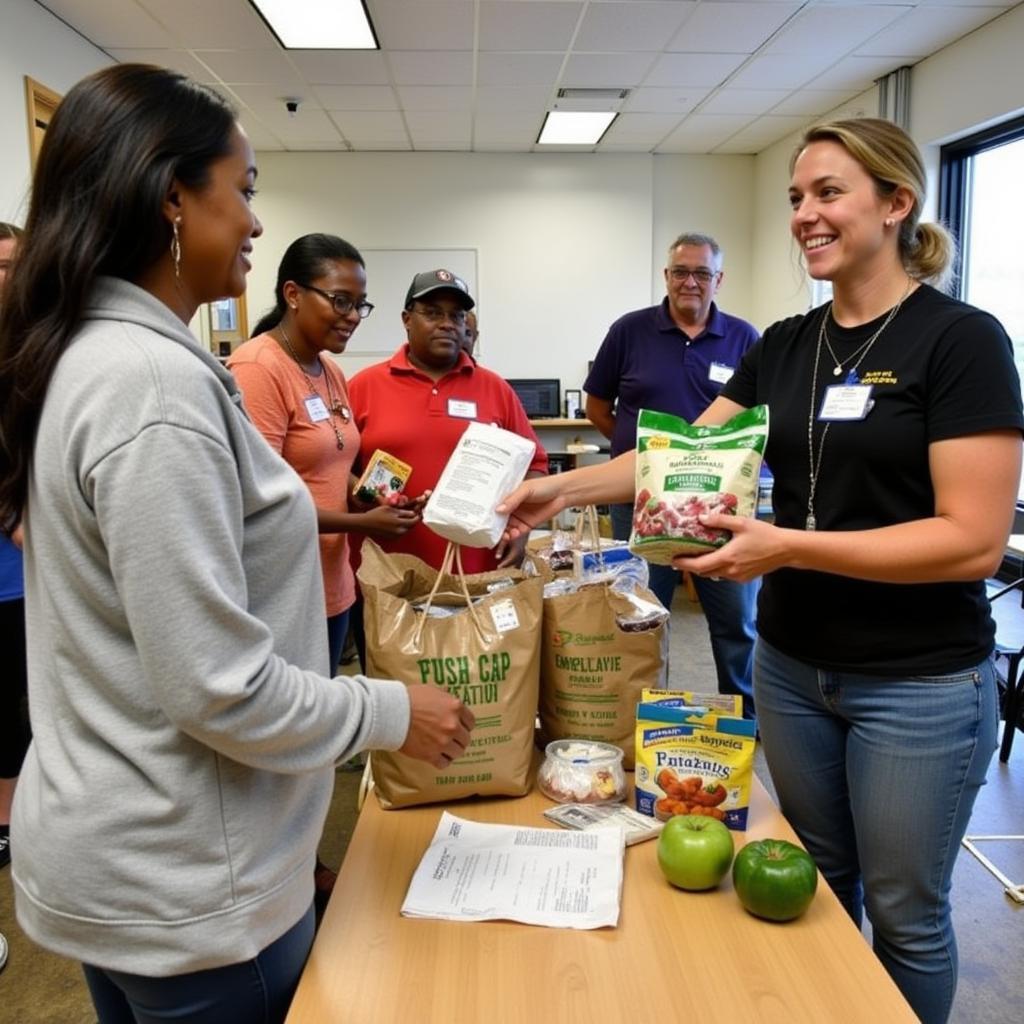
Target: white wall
{"x":565,"y":241}
{"x":972,"y":83}
{"x":34,"y":43}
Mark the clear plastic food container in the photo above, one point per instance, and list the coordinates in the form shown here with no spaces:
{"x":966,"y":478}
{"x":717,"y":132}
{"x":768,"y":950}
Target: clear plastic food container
{"x":582,"y":772}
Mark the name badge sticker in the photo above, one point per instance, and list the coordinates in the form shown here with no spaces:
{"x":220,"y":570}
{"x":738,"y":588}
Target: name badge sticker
{"x":720,"y":373}
{"x":316,"y":409}
{"x":846,"y":402}
{"x":461,"y":409}
{"x":504,"y":616}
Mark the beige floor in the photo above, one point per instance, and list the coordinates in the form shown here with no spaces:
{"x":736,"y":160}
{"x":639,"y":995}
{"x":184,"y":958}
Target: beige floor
{"x":38,"y":987}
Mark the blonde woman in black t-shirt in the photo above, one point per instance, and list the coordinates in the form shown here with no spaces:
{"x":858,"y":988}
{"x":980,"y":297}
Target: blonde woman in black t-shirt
{"x":896,"y":449}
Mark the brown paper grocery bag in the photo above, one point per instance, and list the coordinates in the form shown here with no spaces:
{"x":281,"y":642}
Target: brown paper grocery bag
{"x":596,"y":657}
{"x":487,"y":652}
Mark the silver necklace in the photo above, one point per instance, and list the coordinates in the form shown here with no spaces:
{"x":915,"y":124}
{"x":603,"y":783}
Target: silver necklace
{"x":862,"y":350}
{"x":334,"y":406}
{"x":814,"y":459}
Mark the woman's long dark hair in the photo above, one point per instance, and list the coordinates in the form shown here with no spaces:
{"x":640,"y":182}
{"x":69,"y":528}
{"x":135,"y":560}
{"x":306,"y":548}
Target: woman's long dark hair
{"x":306,"y":258}
{"x":115,"y":144}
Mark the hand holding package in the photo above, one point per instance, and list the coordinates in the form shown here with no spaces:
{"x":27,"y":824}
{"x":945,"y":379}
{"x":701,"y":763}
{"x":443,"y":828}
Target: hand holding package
{"x":487,"y":463}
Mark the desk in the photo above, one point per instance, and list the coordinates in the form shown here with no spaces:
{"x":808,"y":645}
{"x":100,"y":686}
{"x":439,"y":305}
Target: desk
{"x":675,"y":956}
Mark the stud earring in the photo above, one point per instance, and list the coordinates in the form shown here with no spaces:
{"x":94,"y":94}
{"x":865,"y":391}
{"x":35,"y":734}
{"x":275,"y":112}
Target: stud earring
{"x":176,"y":248}
{"x":889,"y":221}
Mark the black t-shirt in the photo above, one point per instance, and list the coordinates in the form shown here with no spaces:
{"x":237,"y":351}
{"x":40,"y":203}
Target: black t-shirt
{"x":941,"y":369}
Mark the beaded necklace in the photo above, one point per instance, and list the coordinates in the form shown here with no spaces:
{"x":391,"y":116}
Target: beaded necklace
{"x":335,"y":407}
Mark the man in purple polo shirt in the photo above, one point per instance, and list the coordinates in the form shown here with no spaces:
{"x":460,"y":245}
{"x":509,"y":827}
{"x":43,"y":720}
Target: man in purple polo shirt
{"x":674,"y":358}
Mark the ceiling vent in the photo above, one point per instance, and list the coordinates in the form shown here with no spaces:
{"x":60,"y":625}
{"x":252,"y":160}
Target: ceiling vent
{"x":601,"y":95}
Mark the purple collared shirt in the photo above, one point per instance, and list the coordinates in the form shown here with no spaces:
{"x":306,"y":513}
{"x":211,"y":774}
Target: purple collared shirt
{"x":647,"y":362}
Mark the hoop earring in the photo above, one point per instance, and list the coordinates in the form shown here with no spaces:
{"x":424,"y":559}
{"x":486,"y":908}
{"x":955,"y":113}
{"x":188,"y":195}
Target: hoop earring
{"x":176,"y":248}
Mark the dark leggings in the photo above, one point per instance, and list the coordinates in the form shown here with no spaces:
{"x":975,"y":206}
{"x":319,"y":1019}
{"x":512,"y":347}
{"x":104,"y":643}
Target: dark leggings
{"x":15,"y":734}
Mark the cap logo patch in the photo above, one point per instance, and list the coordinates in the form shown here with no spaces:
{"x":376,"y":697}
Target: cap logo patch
{"x":443,"y":275}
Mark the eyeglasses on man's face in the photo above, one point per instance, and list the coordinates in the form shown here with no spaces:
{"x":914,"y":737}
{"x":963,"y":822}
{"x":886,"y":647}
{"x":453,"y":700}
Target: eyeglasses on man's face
{"x":435,"y":314}
{"x":343,"y":304}
{"x":701,"y":276}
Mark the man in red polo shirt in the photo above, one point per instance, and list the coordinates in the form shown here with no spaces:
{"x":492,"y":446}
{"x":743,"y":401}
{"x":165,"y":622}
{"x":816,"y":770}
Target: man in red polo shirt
{"x":417,"y":404}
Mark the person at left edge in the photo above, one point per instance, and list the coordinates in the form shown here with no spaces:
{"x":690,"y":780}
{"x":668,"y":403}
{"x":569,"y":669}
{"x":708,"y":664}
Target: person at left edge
{"x":416,"y":406}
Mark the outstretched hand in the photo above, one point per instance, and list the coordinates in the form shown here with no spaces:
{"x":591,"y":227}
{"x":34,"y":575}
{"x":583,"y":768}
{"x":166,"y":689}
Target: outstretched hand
{"x":439,"y":726}
{"x":533,"y":502}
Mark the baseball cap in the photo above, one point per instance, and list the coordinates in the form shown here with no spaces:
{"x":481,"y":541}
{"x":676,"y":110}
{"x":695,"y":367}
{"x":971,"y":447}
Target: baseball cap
{"x":438,"y":280}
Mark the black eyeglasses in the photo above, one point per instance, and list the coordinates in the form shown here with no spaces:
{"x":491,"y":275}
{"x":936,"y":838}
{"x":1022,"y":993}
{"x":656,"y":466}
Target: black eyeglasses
{"x":436,"y":315}
{"x":343,"y":304}
{"x":702,"y":277}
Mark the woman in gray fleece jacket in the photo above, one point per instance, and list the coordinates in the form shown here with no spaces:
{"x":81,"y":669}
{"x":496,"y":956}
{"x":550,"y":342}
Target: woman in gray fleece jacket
{"x":186,"y":732}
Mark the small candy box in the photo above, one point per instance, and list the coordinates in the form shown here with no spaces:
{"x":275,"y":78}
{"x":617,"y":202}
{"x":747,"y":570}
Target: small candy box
{"x":384,"y":477}
{"x":582,"y":772}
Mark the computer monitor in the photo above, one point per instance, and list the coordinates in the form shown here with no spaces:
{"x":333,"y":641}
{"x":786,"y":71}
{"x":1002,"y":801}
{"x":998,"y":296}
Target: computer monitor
{"x":541,"y":397}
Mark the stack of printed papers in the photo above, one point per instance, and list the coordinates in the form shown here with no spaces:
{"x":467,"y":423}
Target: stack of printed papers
{"x":477,"y":872}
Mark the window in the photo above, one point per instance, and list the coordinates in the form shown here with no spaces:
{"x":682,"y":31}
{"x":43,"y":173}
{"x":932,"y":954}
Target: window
{"x":981,"y":201}
{"x":41,"y":103}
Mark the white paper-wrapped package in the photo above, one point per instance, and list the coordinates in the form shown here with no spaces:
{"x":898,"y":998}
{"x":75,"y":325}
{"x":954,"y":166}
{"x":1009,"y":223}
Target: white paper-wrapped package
{"x":487,"y":463}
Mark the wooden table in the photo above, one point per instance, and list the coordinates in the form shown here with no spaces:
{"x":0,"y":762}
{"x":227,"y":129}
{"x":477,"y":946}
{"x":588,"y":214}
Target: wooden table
{"x":675,"y":956}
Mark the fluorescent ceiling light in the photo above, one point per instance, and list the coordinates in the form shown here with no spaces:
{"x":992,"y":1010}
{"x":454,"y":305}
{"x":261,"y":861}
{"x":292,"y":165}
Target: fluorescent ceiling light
{"x":575,"y":128}
{"x":318,"y":24}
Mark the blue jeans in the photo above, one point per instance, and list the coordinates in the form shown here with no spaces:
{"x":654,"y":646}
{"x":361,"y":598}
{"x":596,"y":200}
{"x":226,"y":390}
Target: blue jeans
{"x":730,"y":609}
{"x":337,"y":630}
{"x":256,"y":991}
{"x":878,"y":777}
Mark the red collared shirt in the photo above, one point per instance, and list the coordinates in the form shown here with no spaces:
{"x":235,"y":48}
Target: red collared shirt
{"x":399,"y":409}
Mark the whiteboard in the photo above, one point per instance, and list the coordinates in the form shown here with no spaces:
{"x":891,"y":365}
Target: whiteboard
{"x":389,"y":272}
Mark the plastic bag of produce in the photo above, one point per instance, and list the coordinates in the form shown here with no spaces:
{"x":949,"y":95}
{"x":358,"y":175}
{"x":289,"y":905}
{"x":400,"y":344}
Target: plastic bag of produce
{"x":684,"y":472}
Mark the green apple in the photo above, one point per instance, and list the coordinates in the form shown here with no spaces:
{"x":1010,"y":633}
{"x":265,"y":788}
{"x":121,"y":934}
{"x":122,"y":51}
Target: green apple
{"x":694,"y":852}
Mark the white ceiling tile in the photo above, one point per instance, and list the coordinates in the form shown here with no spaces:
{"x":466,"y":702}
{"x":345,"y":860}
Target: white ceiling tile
{"x":439,"y":129}
{"x":536,"y":26}
{"x":518,"y":129}
{"x":700,"y":133}
{"x":379,"y":146}
{"x":353,"y":123}
{"x":811,"y":102}
{"x":1005,"y":4}
{"x":356,"y":97}
{"x":518,"y":68}
{"x":494,"y":99}
{"x":743,"y":101}
{"x":114,"y":23}
{"x":833,"y":28}
{"x":249,"y":66}
{"x":435,"y":97}
{"x":597,"y":70}
{"x":264,"y":97}
{"x":426,"y":67}
{"x":629,"y":26}
{"x":424,"y":24}
{"x":177,"y":60}
{"x":854,"y":73}
{"x":761,"y":134}
{"x":259,"y":135}
{"x":687,"y":70}
{"x":679,"y":101}
{"x":774,"y":71}
{"x":926,"y":29}
{"x":341,"y":67}
{"x":200,"y":24}
{"x":731,"y":27}
{"x":306,"y":126}
{"x":650,"y":128}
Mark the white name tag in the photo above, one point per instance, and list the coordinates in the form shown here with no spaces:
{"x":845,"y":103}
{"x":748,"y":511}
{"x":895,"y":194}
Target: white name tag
{"x":846,"y":402}
{"x":720,"y":373}
{"x":316,"y":409}
{"x":461,"y":409}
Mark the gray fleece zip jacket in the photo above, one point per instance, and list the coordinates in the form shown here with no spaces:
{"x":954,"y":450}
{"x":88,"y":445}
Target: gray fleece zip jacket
{"x":185,"y":730}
